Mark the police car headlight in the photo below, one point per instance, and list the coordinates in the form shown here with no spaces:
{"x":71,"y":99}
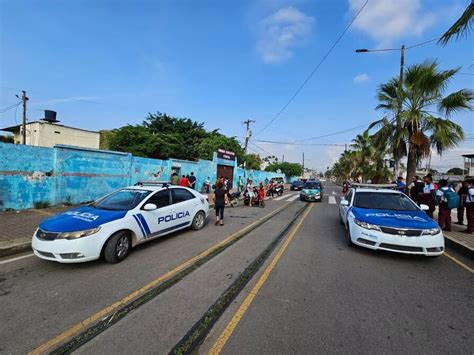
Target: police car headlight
{"x":432,"y":231}
{"x":77,"y":234}
{"x":366,"y":225}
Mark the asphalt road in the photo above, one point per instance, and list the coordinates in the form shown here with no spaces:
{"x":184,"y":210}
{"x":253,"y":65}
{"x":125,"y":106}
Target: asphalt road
{"x":319,"y":295}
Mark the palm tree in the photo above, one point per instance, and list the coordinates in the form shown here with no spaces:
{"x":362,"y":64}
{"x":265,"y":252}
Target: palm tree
{"x":389,"y":136}
{"x":461,"y":27}
{"x":426,"y":112}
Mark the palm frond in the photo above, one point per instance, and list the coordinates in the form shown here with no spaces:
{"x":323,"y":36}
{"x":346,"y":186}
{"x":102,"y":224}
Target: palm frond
{"x":457,"y":101}
{"x":461,"y":27}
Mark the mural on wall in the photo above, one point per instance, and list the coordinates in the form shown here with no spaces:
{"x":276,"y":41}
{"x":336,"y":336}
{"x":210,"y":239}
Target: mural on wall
{"x":65,"y":174}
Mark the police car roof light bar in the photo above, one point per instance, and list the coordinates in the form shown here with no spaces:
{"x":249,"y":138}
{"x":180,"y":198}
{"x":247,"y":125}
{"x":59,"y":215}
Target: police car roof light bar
{"x":152,"y":183}
{"x":374,"y":186}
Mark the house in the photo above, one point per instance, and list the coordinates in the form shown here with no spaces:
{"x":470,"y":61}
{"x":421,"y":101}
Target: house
{"x":469,"y":164}
{"x":47,"y":133}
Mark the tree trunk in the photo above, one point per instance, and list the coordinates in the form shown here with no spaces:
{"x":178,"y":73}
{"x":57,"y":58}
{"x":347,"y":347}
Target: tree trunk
{"x":411,"y":163}
{"x":396,"y":164}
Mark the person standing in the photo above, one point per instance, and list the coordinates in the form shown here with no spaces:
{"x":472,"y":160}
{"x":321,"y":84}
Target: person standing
{"x":250,"y":192}
{"x":271,"y":189}
{"x":415,"y":189}
{"x":444,"y":212}
{"x":184,"y":181}
{"x":400,"y":184}
{"x":266,"y":181}
{"x":174,"y":179}
{"x":470,"y":207}
{"x":428,"y":197}
{"x":220,"y":200}
{"x":240,"y":185}
{"x":208,"y":185}
{"x":192,"y":181}
{"x":462,"y":192}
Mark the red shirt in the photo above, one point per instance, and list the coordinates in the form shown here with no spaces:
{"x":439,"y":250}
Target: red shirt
{"x":184,"y":182}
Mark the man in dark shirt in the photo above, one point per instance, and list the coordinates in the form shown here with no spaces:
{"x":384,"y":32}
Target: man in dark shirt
{"x":462,"y":192}
{"x":192,"y":181}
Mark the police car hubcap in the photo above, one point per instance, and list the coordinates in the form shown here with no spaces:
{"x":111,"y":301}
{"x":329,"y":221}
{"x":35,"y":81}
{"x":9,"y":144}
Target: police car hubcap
{"x":122,"y":246}
{"x":199,"y":220}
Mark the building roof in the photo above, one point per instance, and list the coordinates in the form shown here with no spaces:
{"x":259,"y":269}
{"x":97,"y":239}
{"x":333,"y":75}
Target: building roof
{"x":16,"y":128}
{"x":468,"y":156}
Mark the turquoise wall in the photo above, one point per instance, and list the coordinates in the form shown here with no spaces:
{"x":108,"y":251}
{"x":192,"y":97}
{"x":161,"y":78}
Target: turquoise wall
{"x":70,"y":174}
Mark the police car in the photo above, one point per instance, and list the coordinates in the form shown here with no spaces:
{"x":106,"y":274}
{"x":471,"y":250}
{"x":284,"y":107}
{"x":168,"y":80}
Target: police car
{"x":376,"y":217}
{"x":112,"y":225}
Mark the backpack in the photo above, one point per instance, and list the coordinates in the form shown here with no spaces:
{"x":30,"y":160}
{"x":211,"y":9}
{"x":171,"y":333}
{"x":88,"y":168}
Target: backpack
{"x":452,"y":198}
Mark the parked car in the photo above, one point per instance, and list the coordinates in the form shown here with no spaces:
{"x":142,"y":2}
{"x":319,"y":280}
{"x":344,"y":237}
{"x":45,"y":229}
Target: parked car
{"x":380,"y":218}
{"x":296,"y":185}
{"x":112,"y":225}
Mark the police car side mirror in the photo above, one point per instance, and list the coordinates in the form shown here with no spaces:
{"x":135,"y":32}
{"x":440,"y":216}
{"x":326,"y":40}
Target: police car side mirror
{"x":344,"y":203}
{"x":150,"y":207}
{"x":424,"y":207}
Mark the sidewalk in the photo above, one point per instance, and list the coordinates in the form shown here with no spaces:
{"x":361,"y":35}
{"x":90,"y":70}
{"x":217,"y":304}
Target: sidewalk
{"x":456,"y":237}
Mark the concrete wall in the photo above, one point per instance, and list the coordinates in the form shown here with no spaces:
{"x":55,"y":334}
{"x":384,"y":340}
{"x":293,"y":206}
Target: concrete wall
{"x":70,"y":174}
{"x":44,"y":134}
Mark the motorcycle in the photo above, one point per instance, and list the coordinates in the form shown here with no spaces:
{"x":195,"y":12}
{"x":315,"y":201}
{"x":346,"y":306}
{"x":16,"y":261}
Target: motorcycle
{"x":233,"y":198}
{"x":256,"y":201}
{"x":277,"y":190}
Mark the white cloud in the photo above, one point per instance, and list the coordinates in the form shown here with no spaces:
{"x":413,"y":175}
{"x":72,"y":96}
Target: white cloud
{"x":281,"y":32}
{"x":388,"y":20}
{"x":361,"y":78}
{"x":87,"y":99}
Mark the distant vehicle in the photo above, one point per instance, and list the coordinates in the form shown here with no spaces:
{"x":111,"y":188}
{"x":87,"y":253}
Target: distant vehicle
{"x":380,"y":218}
{"x":297,"y":185}
{"x":112,"y":225}
{"x":278,"y":180}
{"x":312,"y":191}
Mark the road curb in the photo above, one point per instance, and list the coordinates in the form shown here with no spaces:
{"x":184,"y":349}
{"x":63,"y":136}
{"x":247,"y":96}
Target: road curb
{"x":460,"y":247}
{"x":15,"y":248}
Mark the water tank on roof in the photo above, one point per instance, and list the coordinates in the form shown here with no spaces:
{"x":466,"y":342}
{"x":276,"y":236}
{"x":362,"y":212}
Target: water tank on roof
{"x":50,"y":116}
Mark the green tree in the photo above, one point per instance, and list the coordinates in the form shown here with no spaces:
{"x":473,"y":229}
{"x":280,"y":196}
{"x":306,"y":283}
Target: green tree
{"x":289,"y":169}
{"x":461,"y":27}
{"x":215,"y":140}
{"x":253,"y":161}
{"x":136,"y":140}
{"x":455,"y":171}
{"x":105,"y":136}
{"x":426,"y":113}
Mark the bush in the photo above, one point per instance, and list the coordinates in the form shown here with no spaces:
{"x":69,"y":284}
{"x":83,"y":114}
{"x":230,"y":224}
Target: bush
{"x":41,"y":204}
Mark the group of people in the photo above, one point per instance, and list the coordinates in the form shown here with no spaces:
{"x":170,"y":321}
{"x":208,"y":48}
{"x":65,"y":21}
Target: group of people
{"x":185,"y":180}
{"x":446,"y":198}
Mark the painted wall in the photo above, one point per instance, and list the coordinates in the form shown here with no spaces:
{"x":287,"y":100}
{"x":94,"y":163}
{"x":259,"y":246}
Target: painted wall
{"x":70,"y":174}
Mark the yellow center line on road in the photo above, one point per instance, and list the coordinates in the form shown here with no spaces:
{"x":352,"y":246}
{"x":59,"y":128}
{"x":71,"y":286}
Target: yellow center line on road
{"x":229,"y":329}
{"x":76,"y":329}
{"x":460,"y":263}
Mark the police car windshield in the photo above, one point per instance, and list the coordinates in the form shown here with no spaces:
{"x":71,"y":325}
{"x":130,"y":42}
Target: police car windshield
{"x":383,"y":201}
{"x":312,"y":185}
{"x":122,"y":200}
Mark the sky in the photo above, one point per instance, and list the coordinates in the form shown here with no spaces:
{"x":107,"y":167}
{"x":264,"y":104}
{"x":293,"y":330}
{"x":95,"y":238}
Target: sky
{"x":102,"y":64}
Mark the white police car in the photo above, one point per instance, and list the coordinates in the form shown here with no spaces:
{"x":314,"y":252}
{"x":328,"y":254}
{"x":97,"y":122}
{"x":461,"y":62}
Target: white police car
{"x":112,"y":225}
{"x":380,"y":218}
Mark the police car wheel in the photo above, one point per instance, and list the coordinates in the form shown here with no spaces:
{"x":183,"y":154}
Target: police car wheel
{"x":349,"y":240}
{"x":198,"y":221}
{"x":117,"y":247}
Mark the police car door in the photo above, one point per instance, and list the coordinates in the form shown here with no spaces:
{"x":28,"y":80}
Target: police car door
{"x":185,"y":204}
{"x":343,"y":208}
{"x":157,"y":222}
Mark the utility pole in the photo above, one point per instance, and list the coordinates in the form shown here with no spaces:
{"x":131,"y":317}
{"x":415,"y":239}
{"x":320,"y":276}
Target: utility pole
{"x":248,"y":133}
{"x":303,"y":162}
{"x":396,"y":157}
{"x":24,"y":99}
{"x":283,"y":158}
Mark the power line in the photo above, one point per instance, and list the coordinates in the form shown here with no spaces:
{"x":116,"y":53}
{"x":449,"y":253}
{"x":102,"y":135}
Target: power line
{"x":314,"y":70}
{"x":336,"y":133}
{"x":5,"y":109}
{"x":302,"y":144}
